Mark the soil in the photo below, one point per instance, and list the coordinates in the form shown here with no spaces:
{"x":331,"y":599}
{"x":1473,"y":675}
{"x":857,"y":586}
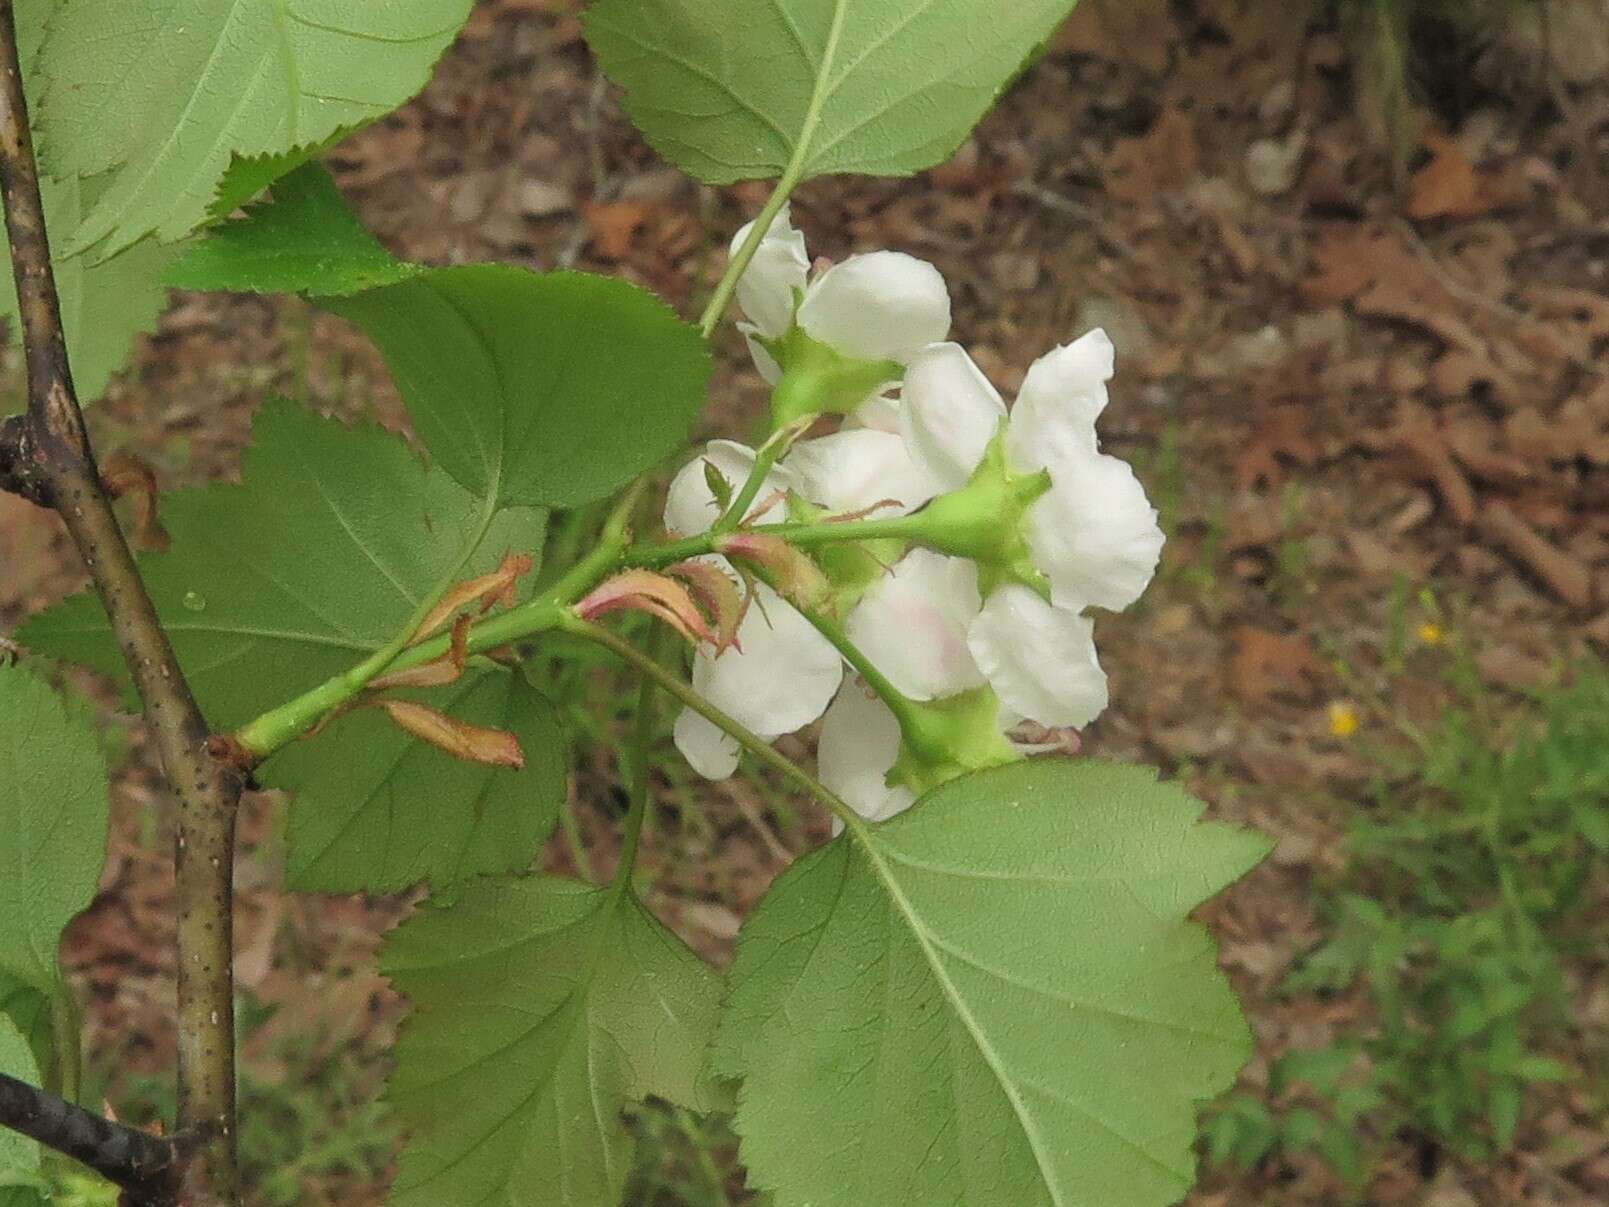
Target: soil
{"x":1344,"y":385}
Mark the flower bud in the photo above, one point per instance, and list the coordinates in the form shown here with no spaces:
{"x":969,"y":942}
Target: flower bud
{"x":655,"y":594}
{"x":791,"y":572}
{"x":714,"y":589}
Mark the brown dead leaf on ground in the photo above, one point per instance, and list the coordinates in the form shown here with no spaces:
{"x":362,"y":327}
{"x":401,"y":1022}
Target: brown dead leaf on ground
{"x":1578,"y":429}
{"x":1282,"y":436}
{"x":615,"y":225}
{"x":1567,"y":577}
{"x":1140,"y":32}
{"x":1375,"y":270}
{"x":1448,"y":186}
{"x":1266,"y":664}
{"x":1164,"y":160}
{"x":1417,"y":433}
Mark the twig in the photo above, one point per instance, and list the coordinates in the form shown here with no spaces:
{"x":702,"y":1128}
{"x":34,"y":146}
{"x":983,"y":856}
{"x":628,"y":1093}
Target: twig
{"x":1415,"y":433}
{"x":1568,"y":578}
{"x":139,"y":1162}
{"x":45,"y":455}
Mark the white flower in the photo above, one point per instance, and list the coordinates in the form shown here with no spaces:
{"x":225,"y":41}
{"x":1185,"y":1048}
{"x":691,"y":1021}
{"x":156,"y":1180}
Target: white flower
{"x":859,"y":469}
{"x":913,"y":622}
{"x":860,"y":741}
{"x":781,"y":678}
{"x":783,"y":673}
{"x":924,"y":626}
{"x":1093,"y":535}
{"x":691,"y":507}
{"x":884,"y":305}
{"x":1040,"y":659}
{"x":769,"y":286}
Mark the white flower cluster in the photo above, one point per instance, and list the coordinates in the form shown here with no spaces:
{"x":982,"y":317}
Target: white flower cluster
{"x":931,"y":624}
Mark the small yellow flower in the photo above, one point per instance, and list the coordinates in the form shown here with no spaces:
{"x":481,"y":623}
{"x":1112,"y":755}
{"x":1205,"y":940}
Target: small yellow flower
{"x":1431,"y":633}
{"x":1343,"y":719}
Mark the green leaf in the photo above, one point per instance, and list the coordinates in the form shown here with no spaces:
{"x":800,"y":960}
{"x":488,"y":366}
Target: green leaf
{"x":304,"y":241}
{"x":18,"y":1154}
{"x":539,"y":389}
{"x":52,"y":825}
{"x":29,"y":1011}
{"x":749,"y":89}
{"x":376,"y":810}
{"x":994,"y":998}
{"x":161,"y":94}
{"x":103,"y":306}
{"x":540,"y":1008}
{"x":320,"y":557}
{"x":545,"y":389}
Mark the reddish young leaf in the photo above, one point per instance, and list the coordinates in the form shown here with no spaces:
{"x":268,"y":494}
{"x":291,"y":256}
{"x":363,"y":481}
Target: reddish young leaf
{"x":487,"y":591}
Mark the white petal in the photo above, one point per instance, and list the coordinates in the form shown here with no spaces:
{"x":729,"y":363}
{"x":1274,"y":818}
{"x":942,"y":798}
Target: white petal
{"x":881,"y":414}
{"x":708,"y":749}
{"x":948,"y":413}
{"x":857,"y":468}
{"x":1040,"y":659}
{"x":763,"y":360}
{"x":1094,"y":534}
{"x":1062,"y":396}
{"x":860,"y":742}
{"x":881,"y":306}
{"x":690,"y":504}
{"x":780,"y":265}
{"x":782,"y":678}
{"x":913,"y":624}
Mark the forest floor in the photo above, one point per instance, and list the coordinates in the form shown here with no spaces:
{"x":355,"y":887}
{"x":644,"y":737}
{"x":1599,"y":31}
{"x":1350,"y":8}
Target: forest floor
{"x":1375,"y":417}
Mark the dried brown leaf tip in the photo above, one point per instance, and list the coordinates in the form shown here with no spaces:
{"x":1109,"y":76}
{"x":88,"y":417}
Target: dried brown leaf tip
{"x":653,"y":593}
{"x":125,"y":476}
{"x":438,"y":672}
{"x":472,"y":743}
{"x":792,"y":573}
{"x":483,"y":593}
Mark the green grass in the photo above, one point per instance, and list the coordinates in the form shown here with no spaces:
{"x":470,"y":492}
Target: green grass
{"x":1475,"y":878}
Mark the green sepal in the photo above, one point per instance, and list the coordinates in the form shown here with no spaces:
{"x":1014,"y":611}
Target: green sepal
{"x":986,"y":521}
{"x":948,"y":738}
{"x":851,"y":567}
{"x":817,"y":380}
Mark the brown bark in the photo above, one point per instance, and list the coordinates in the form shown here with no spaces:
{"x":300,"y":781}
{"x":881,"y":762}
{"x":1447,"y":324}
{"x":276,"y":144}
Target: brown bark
{"x":45,"y":455}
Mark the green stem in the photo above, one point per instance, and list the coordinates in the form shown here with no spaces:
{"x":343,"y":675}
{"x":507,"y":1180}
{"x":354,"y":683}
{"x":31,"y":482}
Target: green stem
{"x":277,"y":728}
{"x":641,"y":787}
{"x":66,"y":1029}
{"x":755,"y":745}
{"x":804,"y":535}
{"x":739,"y":263}
{"x":901,"y":705}
{"x":283,"y":725}
{"x":764,"y":459}
{"x":572,"y":839}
